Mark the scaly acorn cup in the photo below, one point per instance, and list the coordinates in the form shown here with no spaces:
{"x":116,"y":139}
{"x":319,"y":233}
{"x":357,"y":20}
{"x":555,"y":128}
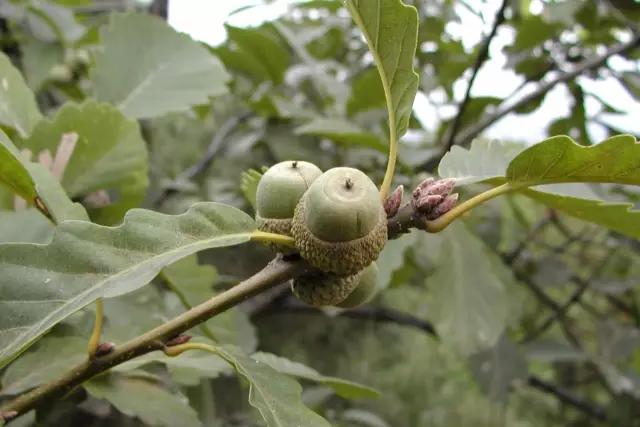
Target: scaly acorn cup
{"x":340,"y":225}
{"x":322,"y":289}
{"x":279,"y":191}
{"x":368,"y":286}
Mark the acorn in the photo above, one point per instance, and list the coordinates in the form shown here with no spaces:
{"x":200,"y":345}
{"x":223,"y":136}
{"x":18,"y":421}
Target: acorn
{"x":368,"y":286}
{"x":279,"y":191}
{"x":340,"y":225}
{"x":320,"y":289}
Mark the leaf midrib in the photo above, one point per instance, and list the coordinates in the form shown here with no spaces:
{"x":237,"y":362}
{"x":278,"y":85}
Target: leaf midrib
{"x":379,"y":65}
{"x":87,"y":292}
{"x":252,"y":385}
{"x":605,"y":179}
{"x":141,"y":85}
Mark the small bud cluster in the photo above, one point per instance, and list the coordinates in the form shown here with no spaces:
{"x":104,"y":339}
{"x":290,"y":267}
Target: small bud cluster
{"x":433,"y":198}
{"x":8,"y":415}
{"x":177,"y":340}
{"x":392,"y":204}
{"x":104,"y":349}
{"x":429,"y":200}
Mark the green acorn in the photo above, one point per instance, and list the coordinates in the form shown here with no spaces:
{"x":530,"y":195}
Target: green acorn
{"x":368,"y":286}
{"x":278,"y":193}
{"x":340,"y":225}
{"x":321,"y":289}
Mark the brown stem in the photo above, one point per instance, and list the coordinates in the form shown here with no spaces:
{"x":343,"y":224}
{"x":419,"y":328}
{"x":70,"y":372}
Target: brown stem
{"x":589,"y":408}
{"x":278,"y":271}
{"x":405,"y":219}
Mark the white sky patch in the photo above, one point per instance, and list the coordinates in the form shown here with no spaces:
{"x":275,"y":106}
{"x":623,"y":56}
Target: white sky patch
{"x":204,"y":20}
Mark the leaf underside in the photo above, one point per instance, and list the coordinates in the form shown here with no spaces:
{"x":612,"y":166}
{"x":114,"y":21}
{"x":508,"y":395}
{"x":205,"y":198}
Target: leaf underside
{"x":546,"y":171}
{"x":43,"y":284}
{"x":343,"y":388}
{"x":276,"y":396}
{"x":471,"y":309}
{"x":619,"y":217}
{"x":484,"y":160}
{"x":144,"y":399}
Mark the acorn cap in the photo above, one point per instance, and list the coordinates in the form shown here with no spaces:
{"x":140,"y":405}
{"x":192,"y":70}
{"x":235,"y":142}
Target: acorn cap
{"x":368,"y":286}
{"x":320,"y":289}
{"x":278,"y":226}
{"x":282,"y":186}
{"x":340,"y":225}
{"x":274,"y":225}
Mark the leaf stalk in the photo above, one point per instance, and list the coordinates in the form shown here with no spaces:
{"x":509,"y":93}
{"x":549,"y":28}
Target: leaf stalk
{"x":442,"y":222}
{"x":264,"y":237}
{"x":177,"y":350}
{"x":94,"y":340}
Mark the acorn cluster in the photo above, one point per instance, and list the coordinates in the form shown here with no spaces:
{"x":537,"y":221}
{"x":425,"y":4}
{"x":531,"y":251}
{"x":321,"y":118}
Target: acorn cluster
{"x":338,"y":223}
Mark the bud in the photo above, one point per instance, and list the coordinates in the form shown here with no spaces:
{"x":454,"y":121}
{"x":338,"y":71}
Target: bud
{"x":423,"y":187}
{"x":97,"y":199}
{"x":431,"y":193}
{"x":442,"y":187}
{"x":8,"y":415}
{"x":177,"y":340}
{"x":104,"y":349}
{"x":445,"y":206}
{"x":392,"y":204}
{"x":426,"y":203}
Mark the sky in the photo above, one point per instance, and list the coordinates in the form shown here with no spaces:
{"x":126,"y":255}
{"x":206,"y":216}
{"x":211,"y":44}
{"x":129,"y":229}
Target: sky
{"x":204,"y":21}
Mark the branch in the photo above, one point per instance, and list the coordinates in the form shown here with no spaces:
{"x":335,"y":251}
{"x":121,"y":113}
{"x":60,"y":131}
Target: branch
{"x":543,"y":297}
{"x":589,"y":408}
{"x":160,"y":8}
{"x":413,"y":215}
{"x":277,"y":271}
{"x":377,"y":314}
{"x":620,"y":14}
{"x":429,"y":198}
{"x":467,"y":135}
{"x":510,"y":257}
{"x":203,"y":164}
{"x":483,"y":55}
{"x":558,"y":310}
{"x":560,"y":313}
{"x":387,"y":315}
{"x":216,"y":144}
{"x":630,"y":309}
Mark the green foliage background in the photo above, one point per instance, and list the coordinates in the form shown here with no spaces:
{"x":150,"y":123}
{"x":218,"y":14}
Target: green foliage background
{"x":522,"y":292}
